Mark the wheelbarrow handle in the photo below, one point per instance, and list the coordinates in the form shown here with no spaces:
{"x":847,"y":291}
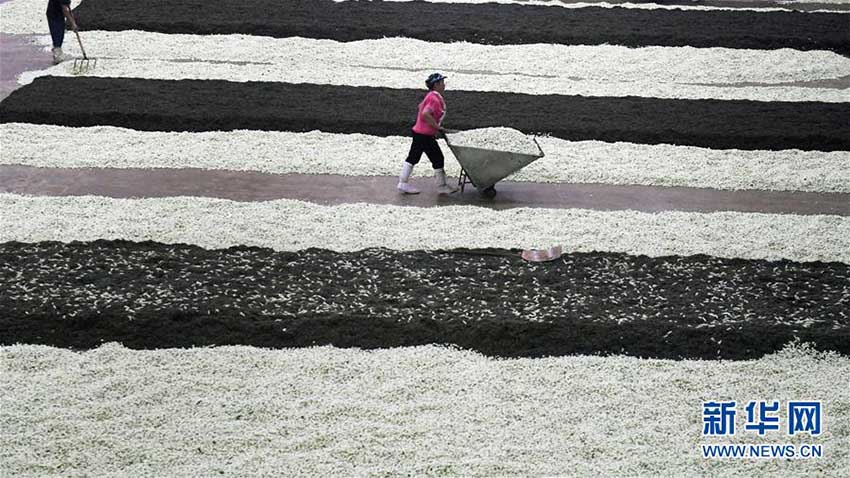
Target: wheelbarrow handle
{"x":445,"y":132}
{"x":538,"y":146}
{"x":81,"y":45}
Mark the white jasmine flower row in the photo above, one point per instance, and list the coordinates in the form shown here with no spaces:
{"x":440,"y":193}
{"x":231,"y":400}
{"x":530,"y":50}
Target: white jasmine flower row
{"x":295,"y":225}
{"x":662,"y":72}
{"x":426,"y":410}
{"x":787,"y":5}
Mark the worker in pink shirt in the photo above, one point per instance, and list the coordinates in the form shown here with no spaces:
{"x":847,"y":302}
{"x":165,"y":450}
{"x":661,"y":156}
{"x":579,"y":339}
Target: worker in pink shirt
{"x":432,"y":111}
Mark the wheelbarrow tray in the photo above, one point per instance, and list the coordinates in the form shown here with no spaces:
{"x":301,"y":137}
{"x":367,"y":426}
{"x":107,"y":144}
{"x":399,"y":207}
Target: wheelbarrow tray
{"x":486,"y":167}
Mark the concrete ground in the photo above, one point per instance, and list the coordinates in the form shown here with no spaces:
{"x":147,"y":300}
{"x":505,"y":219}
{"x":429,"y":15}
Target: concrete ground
{"x":19,"y":53}
{"x":335,"y":189}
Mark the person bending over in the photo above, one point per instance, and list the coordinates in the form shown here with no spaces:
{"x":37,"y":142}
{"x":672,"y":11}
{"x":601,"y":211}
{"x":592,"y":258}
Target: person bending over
{"x":432,"y":111}
{"x":57,"y":12}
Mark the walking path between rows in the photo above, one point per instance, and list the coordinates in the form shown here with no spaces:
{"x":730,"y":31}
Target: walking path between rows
{"x":337,"y":189}
{"x":19,"y":54}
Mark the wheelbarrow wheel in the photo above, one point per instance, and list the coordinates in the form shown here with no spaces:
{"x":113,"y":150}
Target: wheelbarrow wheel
{"x":489,"y":193}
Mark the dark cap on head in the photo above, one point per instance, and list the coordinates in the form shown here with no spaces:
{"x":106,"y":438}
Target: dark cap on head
{"x":433,"y":79}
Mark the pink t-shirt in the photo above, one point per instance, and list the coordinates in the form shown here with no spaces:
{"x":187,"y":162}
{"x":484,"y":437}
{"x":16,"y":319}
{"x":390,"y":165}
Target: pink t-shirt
{"x":435,"y":104}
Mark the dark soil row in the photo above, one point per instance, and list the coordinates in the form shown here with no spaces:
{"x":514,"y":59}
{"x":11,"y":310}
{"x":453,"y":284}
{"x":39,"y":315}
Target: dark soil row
{"x":152,"y":295}
{"x":207,"y":105}
{"x":482,"y":23}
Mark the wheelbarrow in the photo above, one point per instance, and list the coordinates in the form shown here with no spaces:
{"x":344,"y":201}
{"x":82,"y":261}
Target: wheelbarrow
{"x":483,"y":168}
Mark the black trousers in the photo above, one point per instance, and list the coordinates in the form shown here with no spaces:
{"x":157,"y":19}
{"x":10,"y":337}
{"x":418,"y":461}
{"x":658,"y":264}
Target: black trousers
{"x":428,"y":145}
{"x":57,"y":30}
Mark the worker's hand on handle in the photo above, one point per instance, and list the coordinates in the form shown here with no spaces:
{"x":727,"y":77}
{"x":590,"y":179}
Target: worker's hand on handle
{"x":70,"y":16}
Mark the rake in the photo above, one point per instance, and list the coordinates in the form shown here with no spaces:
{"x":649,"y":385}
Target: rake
{"x":84,"y":64}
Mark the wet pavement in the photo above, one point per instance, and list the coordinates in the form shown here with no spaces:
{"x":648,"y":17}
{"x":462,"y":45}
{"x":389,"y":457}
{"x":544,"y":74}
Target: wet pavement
{"x":19,"y":53}
{"x":334,"y":189}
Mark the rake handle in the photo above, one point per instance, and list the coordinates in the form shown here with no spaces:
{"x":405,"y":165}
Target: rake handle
{"x":81,"y":45}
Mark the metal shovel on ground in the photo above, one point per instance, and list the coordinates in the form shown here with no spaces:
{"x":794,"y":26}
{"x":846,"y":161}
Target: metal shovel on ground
{"x":84,"y":64}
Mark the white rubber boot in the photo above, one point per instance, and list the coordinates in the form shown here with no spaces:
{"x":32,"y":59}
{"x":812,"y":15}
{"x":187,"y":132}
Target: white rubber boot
{"x":403,"y":185}
{"x":58,"y":56}
{"x":442,"y":186}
